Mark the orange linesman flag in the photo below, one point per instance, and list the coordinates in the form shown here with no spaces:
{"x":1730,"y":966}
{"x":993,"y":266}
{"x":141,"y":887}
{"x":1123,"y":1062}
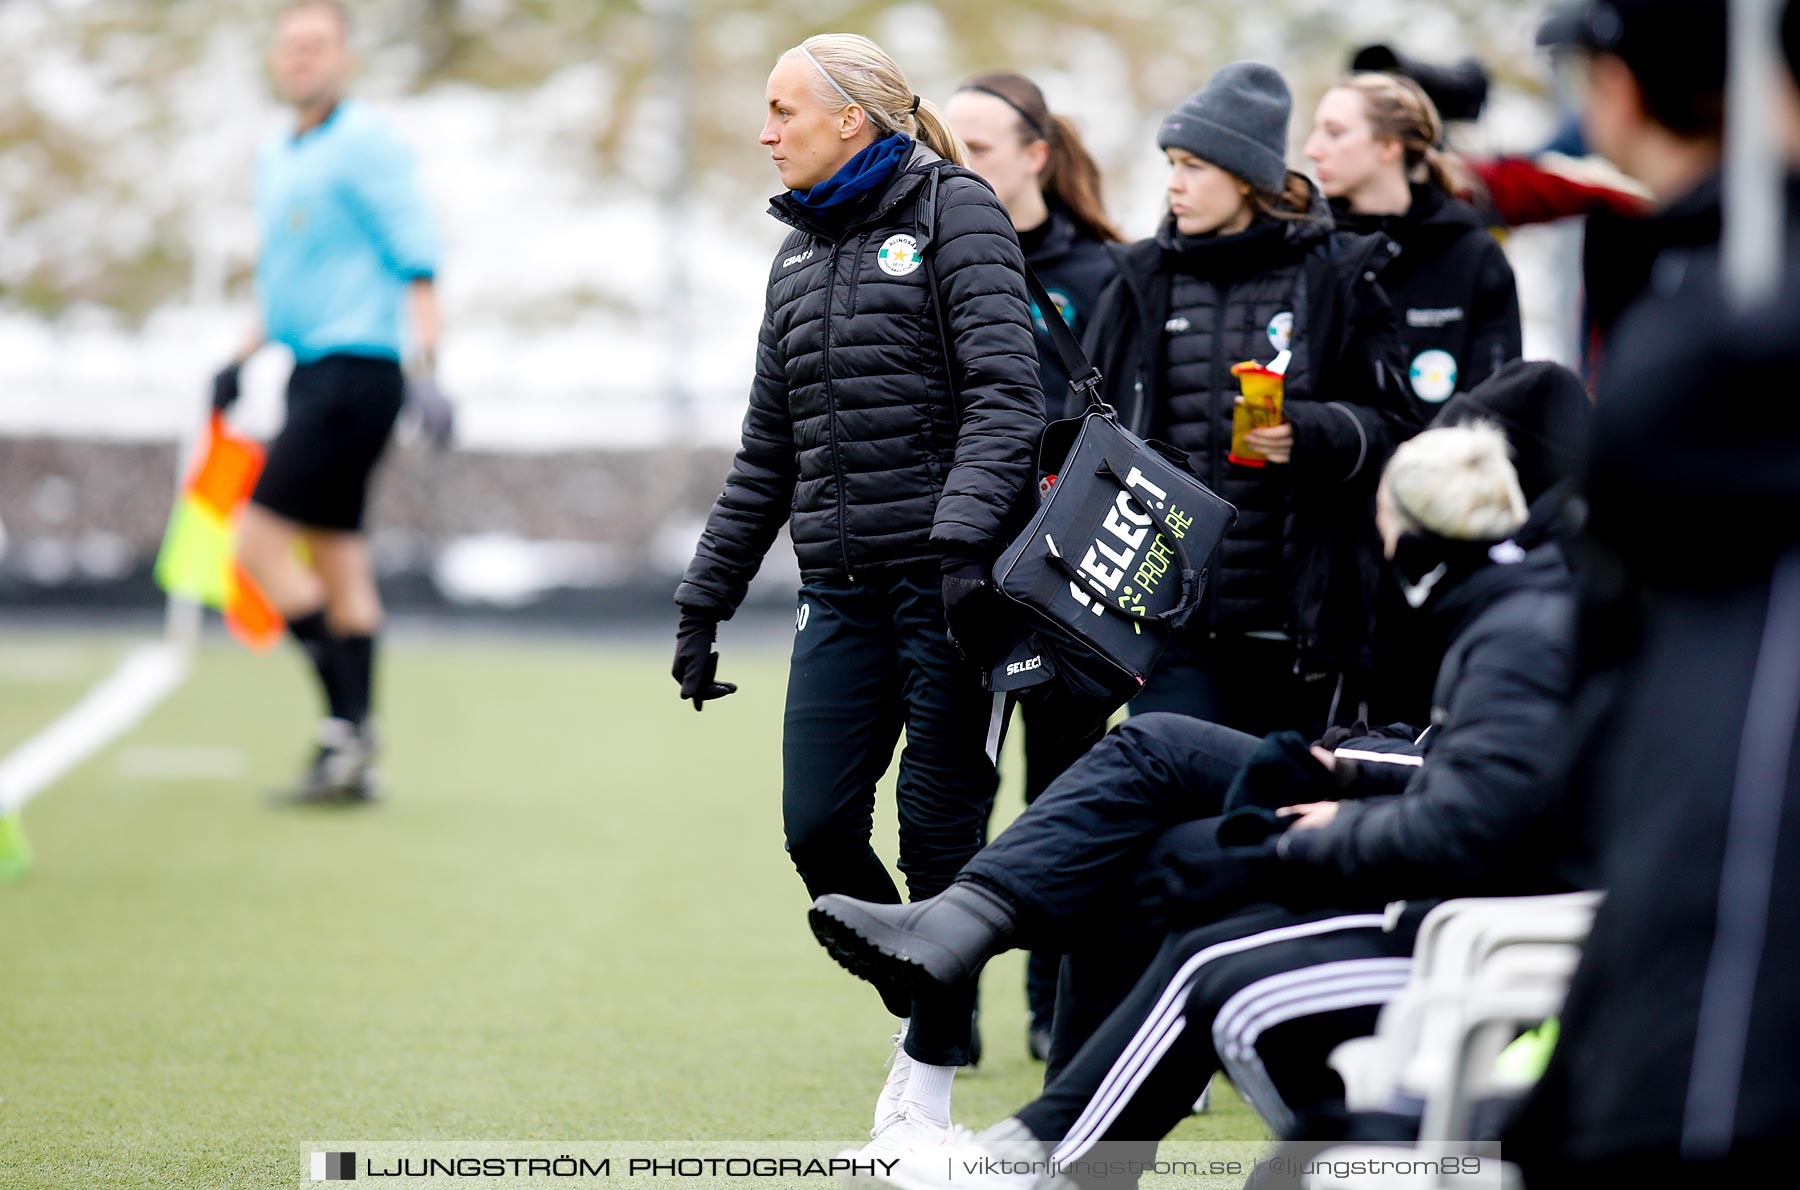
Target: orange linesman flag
{"x":198,"y":558}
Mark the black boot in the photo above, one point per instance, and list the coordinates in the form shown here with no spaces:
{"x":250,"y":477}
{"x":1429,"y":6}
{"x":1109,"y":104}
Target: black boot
{"x":930,"y":945}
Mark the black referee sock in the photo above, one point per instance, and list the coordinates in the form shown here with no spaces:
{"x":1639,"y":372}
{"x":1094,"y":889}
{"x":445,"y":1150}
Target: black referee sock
{"x":356,"y":676}
{"x":324,"y":651}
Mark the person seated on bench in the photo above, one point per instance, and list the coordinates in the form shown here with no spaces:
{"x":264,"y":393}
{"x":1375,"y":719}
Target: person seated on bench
{"x":1275,"y":947}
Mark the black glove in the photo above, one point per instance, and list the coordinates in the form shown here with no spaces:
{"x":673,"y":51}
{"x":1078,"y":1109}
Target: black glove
{"x":1282,"y":771}
{"x":695,"y":662}
{"x":430,"y":410}
{"x":971,"y":608}
{"x":1186,"y":889}
{"x":225,"y":387}
{"x":1250,"y":826}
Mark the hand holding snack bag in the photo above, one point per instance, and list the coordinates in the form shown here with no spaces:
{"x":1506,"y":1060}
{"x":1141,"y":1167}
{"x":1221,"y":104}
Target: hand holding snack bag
{"x":1258,"y":408}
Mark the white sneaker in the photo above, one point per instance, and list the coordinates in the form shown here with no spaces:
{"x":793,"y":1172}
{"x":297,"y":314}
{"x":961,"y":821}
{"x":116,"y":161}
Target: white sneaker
{"x":909,"y":1131}
{"x":965,"y":1160}
{"x":887,"y":1105}
{"x":905,"y":1134}
{"x":1203,"y":1105}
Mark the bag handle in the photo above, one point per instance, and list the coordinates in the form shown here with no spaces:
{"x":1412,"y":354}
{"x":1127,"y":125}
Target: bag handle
{"x":1084,"y":377}
{"x":1190,"y":578}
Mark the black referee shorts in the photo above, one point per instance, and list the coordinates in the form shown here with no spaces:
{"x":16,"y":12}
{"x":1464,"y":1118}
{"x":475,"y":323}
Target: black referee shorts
{"x":340,"y":415}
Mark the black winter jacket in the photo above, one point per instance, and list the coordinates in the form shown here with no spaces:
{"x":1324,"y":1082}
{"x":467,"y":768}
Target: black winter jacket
{"x":1480,"y":815}
{"x":1075,"y":267}
{"x":1302,"y":558}
{"x":1452,"y":288}
{"x":1681,"y":1034}
{"x":879,"y":450}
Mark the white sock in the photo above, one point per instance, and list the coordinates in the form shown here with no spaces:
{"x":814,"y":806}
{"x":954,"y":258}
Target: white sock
{"x":928,"y":1091}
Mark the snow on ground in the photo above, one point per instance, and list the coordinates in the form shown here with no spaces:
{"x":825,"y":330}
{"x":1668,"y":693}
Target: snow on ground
{"x":551,"y":283}
{"x":556,"y":283}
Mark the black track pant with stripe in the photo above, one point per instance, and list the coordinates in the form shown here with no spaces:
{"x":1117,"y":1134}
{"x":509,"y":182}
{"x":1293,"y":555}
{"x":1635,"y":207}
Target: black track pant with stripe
{"x":1264,"y":995}
{"x":1069,"y":860}
{"x":872,"y":658}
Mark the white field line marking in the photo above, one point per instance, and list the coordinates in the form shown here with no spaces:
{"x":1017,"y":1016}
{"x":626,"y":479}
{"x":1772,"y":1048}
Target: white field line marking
{"x":146,"y":676}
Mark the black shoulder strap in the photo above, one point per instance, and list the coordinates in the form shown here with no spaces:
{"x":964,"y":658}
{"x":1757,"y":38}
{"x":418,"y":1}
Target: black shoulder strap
{"x":1084,"y":377}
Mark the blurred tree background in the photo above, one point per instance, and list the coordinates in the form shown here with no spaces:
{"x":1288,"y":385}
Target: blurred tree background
{"x":595,"y":168}
{"x":108,"y":108}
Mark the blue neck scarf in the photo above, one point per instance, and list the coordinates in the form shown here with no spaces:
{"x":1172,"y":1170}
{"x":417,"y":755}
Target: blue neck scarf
{"x":869,"y":170}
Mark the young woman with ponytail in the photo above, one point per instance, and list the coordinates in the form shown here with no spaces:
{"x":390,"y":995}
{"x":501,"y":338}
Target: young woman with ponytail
{"x":1248,"y":267}
{"x":1036,"y":163}
{"x":892,"y":423}
{"x":1376,"y":144}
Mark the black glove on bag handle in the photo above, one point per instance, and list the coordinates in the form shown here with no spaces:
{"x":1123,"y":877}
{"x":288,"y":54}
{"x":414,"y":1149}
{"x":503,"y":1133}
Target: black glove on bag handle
{"x":1055,"y":624}
{"x":1114,"y":561}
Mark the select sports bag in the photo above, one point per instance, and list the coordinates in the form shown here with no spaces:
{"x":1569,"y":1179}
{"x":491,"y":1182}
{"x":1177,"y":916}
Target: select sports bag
{"x":1115,"y":560}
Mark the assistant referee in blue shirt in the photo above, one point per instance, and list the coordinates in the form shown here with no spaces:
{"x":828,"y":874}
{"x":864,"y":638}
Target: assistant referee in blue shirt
{"x":346,"y":241}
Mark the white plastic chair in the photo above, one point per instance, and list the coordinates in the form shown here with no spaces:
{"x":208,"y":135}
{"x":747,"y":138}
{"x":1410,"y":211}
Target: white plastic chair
{"x":1484,"y":968}
{"x":1455,"y":939}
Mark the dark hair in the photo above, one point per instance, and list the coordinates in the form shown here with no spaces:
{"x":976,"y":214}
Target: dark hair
{"x":1790,"y":38}
{"x":1071,"y":180}
{"x":1678,"y":52}
{"x":1680,"y":106}
{"x":335,"y":7}
{"x":1398,"y":109}
{"x":1293,"y":201}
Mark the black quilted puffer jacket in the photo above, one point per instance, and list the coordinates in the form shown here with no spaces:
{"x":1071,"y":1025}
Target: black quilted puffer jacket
{"x":1303,"y":558}
{"x":856,"y":434}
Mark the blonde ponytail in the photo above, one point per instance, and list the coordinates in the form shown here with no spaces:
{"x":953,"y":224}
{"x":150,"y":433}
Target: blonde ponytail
{"x":853,"y":69}
{"x":1399,"y":110}
{"x":934,"y":132}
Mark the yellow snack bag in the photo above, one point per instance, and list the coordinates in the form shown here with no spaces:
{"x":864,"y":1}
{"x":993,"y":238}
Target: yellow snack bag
{"x":1258,"y":409}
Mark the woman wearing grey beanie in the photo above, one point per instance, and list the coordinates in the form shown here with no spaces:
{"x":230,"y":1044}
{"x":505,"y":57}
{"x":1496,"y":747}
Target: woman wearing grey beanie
{"x":1248,"y":267}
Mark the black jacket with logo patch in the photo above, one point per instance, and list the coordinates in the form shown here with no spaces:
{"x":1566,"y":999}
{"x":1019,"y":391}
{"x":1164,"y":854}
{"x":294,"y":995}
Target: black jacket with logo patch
{"x":855,"y":434}
{"x":1452,"y":289}
{"x":1303,"y":557}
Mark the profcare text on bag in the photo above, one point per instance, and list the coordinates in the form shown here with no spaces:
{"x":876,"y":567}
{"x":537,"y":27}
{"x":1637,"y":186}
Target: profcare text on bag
{"x":1112,"y":564}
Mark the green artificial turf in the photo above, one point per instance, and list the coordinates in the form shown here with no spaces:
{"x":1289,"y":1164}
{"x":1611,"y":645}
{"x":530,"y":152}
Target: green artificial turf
{"x":572,"y":919}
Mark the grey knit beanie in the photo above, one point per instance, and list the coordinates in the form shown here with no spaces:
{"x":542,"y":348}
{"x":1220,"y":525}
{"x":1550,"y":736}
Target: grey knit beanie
{"x":1238,"y":122}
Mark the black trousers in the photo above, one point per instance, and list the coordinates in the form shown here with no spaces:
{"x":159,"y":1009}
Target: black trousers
{"x":1265,"y":995}
{"x":1057,"y":734}
{"x":1089,"y":833}
{"x":1068,"y":862}
{"x":872,"y":658}
{"x":1243,"y":682}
